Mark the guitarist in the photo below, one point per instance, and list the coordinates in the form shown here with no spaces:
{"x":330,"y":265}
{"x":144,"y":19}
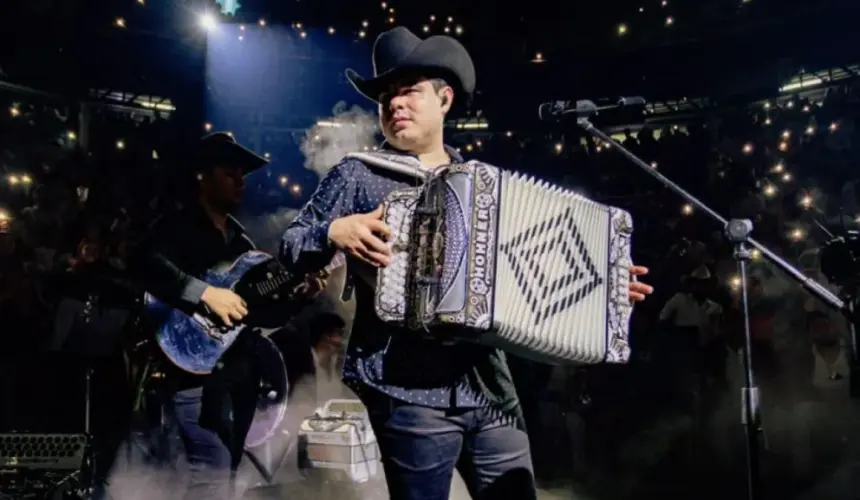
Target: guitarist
{"x":213,"y":412}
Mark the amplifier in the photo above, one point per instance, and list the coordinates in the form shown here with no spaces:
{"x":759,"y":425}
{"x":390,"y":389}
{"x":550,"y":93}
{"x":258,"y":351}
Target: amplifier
{"x":338,"y":443}
{"x":42,"y":451}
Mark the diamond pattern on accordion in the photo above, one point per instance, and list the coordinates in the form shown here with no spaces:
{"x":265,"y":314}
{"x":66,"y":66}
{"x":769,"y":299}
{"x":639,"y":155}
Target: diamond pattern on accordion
{"x":560,"y":235}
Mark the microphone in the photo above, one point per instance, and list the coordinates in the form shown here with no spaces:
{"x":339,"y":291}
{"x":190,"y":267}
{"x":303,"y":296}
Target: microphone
{"x":557,"y":110}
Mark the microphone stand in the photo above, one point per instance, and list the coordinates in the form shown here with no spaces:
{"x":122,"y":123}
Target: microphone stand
{"x":737,"y":231}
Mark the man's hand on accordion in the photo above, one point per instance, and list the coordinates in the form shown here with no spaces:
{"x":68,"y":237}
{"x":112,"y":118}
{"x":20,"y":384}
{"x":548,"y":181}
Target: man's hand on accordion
{"x":362,"y":236}
{"x":639,"y":290}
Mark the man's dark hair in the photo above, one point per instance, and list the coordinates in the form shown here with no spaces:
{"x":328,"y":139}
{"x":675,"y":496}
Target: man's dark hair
{"x":438,"y":83}
{"x":324,"y":324}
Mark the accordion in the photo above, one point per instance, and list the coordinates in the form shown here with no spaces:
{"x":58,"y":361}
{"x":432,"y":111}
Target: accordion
{"x":484,"y":255}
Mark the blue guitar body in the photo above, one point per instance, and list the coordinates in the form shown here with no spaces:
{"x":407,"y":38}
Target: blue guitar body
{"x":188,"y":340}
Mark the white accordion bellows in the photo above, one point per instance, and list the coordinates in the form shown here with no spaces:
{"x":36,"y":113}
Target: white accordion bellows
{"x":505,"y":260}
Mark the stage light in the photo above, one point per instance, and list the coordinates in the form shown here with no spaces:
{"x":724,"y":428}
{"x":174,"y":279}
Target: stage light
{"x":770,"y":190}
{"x":670,"y":21}
{"x":810,"y":130}
{"x":735,"y":283}
{"x":786,"y":134}
{"x":834,"y":127}
{"x":538,"y":58}
{"x":783,"y":146}
{"x":559,"y":147}
{"x":458,"y":30}
{"x":71,"y":136}
{"x":796,"y":234}
{"x":653,"y":164}
{"x":13,"y":110}
{"x":748,"y":148}
{"x":622,"y":29}
{"x":767,"y":121}
{"x":687,"y":209}
{"x":207,"y":127}
{"x":284,"y":180}
{"x":120,"y":144}
{"x":779,"y":167}
{"x":786,"y":177}
{"x":208,"y":22}
{"x":806,"y":201}
{"x":119,"y":22}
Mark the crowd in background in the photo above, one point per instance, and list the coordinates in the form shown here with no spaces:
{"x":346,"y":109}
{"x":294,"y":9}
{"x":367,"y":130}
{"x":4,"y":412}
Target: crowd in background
{"x":75,"y":201}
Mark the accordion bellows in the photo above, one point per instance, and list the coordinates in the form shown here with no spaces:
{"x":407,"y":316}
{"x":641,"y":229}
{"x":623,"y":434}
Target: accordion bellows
{"x":485,"y":255}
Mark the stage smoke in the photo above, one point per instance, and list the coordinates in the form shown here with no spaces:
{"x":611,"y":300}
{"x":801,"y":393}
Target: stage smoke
{"x":347,"y":131}
{"x":267,"y":230}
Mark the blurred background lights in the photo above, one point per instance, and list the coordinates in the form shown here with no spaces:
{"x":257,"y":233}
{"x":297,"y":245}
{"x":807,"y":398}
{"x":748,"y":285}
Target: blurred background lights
{"x":208,"y":22}
{"x":687,"y":209}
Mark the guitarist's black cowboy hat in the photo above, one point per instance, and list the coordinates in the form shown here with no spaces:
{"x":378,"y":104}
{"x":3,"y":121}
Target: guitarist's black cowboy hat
{"x":399,"y":51}
{"x":221,"y":148}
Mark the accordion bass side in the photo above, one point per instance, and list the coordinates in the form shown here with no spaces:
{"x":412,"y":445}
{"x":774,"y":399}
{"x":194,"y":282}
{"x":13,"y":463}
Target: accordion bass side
{"x":484,"y":255}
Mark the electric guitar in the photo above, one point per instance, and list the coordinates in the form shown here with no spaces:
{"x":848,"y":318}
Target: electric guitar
{"x":195,"y":342}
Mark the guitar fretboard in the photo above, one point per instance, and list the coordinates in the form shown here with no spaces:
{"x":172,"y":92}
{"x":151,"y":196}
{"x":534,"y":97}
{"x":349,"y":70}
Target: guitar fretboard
{"x":273,"y":284}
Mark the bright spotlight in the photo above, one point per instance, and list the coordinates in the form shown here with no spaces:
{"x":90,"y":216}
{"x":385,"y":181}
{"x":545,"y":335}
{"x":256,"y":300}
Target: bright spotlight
{"x":208,"y":22}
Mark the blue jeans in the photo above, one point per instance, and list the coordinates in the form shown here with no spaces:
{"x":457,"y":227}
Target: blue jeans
{"x":421,"y":447}
{"x":208,"y":457}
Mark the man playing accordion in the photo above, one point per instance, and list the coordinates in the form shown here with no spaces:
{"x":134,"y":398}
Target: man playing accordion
{"x":432,"y":406}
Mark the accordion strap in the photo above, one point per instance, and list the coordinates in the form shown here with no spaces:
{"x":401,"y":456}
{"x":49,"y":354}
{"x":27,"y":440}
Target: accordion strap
{"x":400,"y":164}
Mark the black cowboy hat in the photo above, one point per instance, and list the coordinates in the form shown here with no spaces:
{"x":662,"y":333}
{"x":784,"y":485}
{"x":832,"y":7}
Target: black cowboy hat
{"x":398,"y":50}
{"x":221,"y":148}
